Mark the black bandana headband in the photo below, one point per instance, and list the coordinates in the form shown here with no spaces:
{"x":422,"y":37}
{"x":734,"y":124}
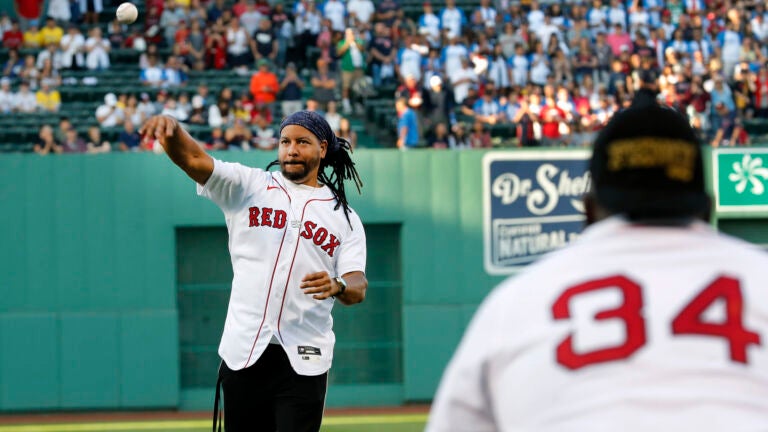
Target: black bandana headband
{"x":314,"y":123}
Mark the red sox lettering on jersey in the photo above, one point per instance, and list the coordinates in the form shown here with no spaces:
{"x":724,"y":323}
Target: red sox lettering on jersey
{"x":268,"y":217}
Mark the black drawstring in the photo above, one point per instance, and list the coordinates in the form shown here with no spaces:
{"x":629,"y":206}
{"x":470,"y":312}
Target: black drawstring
{"x":217,"y":401}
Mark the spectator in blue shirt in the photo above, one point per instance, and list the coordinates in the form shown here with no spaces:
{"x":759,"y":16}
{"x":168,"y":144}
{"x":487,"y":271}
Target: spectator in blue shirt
{"x":407,"y":125}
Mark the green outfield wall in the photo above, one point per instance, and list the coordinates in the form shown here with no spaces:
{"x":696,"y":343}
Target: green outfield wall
{"x":114,"y":279}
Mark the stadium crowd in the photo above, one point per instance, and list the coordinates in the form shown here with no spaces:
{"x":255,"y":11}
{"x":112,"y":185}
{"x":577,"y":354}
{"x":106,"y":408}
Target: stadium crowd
{"x":551,"y":74}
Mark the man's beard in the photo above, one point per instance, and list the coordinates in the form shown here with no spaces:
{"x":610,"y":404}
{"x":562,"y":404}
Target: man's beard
{"x":295,"y":174}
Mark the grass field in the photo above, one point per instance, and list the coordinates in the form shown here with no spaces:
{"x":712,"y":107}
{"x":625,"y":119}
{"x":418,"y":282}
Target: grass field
{"x":341,"y":423}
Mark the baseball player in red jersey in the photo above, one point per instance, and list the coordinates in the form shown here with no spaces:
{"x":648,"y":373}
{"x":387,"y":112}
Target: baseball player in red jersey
{"x":296,"y":247}
{"x":650,"y":321}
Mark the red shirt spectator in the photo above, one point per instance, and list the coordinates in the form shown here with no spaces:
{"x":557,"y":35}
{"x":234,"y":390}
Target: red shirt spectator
{"x":551,"y":116}
{"x":13,"y":38}
{"x":239,"y":8}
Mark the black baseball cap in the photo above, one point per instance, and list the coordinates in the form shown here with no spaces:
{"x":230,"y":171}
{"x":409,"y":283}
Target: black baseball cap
{"x":647,"y":163}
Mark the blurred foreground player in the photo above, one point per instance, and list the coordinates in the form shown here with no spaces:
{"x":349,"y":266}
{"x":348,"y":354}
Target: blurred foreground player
{"x":650,"y":321}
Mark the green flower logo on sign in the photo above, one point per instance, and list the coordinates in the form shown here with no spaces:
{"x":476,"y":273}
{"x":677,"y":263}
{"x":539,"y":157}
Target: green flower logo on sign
{"x":741,"y":180}
{"x":749,"y":171}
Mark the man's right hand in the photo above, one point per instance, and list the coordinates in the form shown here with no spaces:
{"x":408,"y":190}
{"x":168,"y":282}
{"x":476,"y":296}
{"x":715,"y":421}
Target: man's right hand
{"x":159,"y":127}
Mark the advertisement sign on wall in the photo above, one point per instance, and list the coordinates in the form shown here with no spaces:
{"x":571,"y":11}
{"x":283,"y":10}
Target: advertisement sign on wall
{"x":741,"y":180}
{"x":532,"y":205}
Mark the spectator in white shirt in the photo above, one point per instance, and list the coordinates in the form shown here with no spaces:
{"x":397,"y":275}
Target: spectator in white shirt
{"x":335,"y":11}
{"x":462,"y":79}
{"x":72,"y":44}
{"x":452,"y":19}
{"x":251,"y":18}
{"x":617,"y":14}
{"x":6,"y":96}
{"x":145,"y":106}
{"x":97,"y":49}
{"x":25,"y":101}
{"x":152,"y":75}
{"x":238,"y":45}
{"x":363,"y":10}
{"x":108,"y":114}
{"x":535,"y":15}
{"x":50,"y":52}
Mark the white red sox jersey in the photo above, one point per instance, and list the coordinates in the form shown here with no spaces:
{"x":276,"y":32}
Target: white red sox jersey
{"x":278,"y":233}
{"x":632,"y":328}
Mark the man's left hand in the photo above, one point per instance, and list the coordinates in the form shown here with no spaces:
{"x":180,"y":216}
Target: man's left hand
{"x":320,"y":284}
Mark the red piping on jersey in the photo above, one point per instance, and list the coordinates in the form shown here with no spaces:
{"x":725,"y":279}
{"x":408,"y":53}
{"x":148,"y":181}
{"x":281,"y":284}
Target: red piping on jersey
{"x":285,"y":290}
{"x":271,"y":279}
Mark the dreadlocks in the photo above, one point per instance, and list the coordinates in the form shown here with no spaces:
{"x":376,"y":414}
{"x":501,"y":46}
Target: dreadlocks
{"x":337,"y":156}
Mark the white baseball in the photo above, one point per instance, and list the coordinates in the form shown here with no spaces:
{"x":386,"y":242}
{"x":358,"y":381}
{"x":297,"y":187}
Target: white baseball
{"x":127,"y":13}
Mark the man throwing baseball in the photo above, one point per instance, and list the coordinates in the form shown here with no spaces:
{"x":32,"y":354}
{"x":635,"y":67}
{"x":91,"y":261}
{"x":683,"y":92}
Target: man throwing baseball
{"x":296,"y":247}
{"x":650,"y":321}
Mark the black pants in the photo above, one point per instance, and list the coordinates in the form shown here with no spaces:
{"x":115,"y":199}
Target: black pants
{"x":270,"y":396}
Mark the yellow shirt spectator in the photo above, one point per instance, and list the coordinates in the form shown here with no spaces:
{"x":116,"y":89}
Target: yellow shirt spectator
{"x":33,"y":38}
{"x":51,"y":35}
{"x":49,"y":100}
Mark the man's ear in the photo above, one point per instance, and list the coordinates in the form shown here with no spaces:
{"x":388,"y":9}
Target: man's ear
{"x":323,"y":148}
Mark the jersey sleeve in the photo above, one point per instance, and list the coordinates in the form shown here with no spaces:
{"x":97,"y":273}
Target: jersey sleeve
{"x":463,"y":401}
{"x":352,"y":251}
{"x":229,"y":184}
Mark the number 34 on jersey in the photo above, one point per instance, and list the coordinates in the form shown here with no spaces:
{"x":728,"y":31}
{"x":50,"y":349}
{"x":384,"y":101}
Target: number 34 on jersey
{"x":690,"y":321}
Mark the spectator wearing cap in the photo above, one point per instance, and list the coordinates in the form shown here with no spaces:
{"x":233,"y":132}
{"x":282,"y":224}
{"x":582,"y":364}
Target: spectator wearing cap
{"x":24,"y":99}
{"x":264,"y":85}
{"x":730,"y":132}
{"x":198,"y":114}
{"x":291,"y":88}
{"x":108,"y":114}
